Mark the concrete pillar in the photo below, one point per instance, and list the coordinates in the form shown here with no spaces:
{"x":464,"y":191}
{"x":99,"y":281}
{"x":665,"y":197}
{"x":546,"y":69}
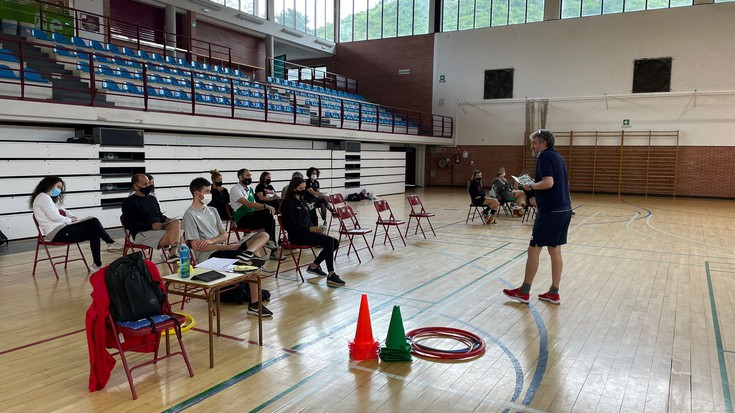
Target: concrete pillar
{"x":337,"y":5}
{"x":552,"y":10}
{"x":170,"y":25}
{"x":271,"y":11}
{"x":269,"y":54}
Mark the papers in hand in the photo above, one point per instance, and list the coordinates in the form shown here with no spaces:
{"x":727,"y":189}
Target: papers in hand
{"x":523,"y":179}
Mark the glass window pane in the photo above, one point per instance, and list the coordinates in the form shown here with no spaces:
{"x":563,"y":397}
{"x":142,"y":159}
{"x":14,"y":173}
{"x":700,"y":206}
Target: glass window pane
{"x":593,"y":7}
{"x":517,"y":12}
{"x":500,"y":13}
{"x":466,"y":14}
{"x":723,"y":1}
{"x":375,"y":19}
{"x":449,"y":17}
{"x":345,"y":21}
{"x":360,"y":20}
{"x":612,"y":6}
{"x":571,"y":8}
{"x":405,"y":17}
{"x":299,"y":17}
{"x":535,"y":12}
{"x":421,"y":17}
{"x":634,"y":5}
{"x":309,"y":16}
{"x":233,"y":4}
{"x":329,"y":20}
{"x":682,"y":3}
{"x":390,"y":18}
{"x":280,"y":11}
{"x":260,"y":8}
{"x":482,"y":13}
{"x":246,"y":6}
{"x":657,"y":4}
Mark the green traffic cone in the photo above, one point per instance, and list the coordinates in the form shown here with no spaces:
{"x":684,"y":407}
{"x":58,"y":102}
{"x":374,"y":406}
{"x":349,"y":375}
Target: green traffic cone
{"x":396,"y":346}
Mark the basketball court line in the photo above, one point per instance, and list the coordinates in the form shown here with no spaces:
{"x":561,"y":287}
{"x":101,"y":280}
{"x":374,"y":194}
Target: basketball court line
{"x":718,"y":339}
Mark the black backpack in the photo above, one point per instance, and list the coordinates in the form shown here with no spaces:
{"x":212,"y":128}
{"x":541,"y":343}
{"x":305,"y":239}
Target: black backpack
{"x":240,"y":294}
{"x":133,"y":293}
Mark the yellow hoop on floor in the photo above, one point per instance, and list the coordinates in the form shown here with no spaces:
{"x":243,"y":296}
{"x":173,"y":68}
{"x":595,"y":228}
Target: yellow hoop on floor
{"x":189,"y":323}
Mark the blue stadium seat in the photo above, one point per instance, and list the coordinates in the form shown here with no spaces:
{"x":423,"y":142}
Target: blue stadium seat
{"x":111,"y":86}
{"x":7,"y":73}
{"x":83,"y":66}
{"x":40,"y":35}
{"x":98,"y":46}
{"x":60,"y":38}
{"x":79,"y":42}
{"x":133,"y":88}
{"x":7,"y":55}
{"x":144,"y":55}
{"x":158,"y":58}
{"x":125,"y":73}
{"x":103,"y":59}
{"x":33,"y":76}
{"x":114,"y":49}
{"x":64,"y":52}
{"x":107,"y":70}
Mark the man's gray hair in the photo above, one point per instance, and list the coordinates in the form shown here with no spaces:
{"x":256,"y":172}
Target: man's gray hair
{"x":544,"y":135}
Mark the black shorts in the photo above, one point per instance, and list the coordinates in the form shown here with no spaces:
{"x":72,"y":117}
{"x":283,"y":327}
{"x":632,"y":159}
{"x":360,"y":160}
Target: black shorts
{"x":478,"y":202}
{"x":550,"y":229}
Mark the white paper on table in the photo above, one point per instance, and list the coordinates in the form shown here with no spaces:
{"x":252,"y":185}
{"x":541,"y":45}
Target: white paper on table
{"x":218,"y":264}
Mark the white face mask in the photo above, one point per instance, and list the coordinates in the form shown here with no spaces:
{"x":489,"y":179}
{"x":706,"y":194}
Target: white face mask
{"x":207,"y":199}
{"x":313,"y":177}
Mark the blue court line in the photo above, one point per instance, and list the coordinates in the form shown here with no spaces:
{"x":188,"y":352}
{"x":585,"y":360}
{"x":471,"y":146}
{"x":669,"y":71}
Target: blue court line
{"x":728,"y":351}
{"x":543,"y":352}
{"x":718,"y":338}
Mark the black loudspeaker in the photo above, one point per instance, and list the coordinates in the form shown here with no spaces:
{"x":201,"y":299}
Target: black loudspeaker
{"x":652,"y":75}
{"x":498,"y":84}
{"x":118,"y":137}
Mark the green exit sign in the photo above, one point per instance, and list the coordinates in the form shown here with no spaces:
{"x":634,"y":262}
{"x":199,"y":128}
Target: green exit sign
{"x":626,"y":123}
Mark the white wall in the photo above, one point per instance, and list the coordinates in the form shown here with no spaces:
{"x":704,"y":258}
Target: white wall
{"x":29,"y":153}
{"x":568,"y":61}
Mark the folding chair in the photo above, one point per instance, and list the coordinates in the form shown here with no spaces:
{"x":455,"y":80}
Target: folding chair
{"x":40,"y":240}
{"x":349,"y":226}
{"x":287,"y":245}
{"x":530,"y":213}
{"x":381,"y":205}
{"x":414,"y":201}
{"x":233,"y":228}
{"x":335,"y":200}
{"x":476,"y":212}
{"x":145,"y":249}
{"x":125,"y":339}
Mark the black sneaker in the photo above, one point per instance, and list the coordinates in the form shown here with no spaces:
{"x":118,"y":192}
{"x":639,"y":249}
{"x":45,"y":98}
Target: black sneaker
{"x":253,"y":309}
{"x":275,"y":256}
{"x":254,"y":261}
{"x":318,"y":271}
{"x":334,"y":281}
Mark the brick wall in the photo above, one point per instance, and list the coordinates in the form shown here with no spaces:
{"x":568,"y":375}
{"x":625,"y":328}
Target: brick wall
{"x":375,"y":64}
{"x":246,"y":49}
{"x":702,"y":171}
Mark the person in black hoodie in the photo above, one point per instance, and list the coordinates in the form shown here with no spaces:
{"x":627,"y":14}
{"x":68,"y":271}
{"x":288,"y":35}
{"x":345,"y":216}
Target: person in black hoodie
{"x":296,"y":221}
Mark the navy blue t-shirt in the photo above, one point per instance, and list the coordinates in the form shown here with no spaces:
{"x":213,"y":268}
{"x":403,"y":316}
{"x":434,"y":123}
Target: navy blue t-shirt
{"x":313,"y":185}
{"x":555,"y":199}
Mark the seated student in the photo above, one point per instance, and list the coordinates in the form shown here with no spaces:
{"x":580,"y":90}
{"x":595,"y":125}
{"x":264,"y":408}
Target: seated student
{"x":220,"y":196}
{"x":59,"y":225}
{"x":153,"y":187}
{"x":142,"y":216}
{"x":296,"y":221}
{"x":315,"y":196}
{"x":248,"y":213}
{"x":285,"y":188}
{"x":477,"y":195}
{"x":530,"y":195}
{"x":206,"y":234}
{"x":504,"y":191}
{"x":265,"y":192}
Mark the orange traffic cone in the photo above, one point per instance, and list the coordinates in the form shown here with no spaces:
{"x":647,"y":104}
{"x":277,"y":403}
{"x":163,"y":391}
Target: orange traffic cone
{"x":364,"y":346}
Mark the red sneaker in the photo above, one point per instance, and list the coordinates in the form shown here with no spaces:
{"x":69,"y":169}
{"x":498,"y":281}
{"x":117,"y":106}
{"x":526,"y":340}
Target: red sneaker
{"x":516,"y":294}
{"x":550,"y":298}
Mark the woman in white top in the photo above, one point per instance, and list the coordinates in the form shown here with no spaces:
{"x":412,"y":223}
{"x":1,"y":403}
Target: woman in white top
{"x":59,"y":225}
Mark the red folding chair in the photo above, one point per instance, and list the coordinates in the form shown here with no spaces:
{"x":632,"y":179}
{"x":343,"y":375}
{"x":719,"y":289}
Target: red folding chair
{"x":287,"y":245}
{"x":414,"y":201}
{"x":381,"y":205}
{"x":145,"y":249}
{"x":349,"y":226}
{"x":233,"y":228}
{"x":40,"y":240}
{"x":335,"y":200}
{"x":125,"y":339}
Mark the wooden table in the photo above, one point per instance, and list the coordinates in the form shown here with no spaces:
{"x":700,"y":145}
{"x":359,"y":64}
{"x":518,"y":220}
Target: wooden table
{"x":209,"y":291}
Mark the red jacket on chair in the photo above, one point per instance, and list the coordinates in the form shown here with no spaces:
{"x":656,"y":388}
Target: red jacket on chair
{"x":99,"y":335}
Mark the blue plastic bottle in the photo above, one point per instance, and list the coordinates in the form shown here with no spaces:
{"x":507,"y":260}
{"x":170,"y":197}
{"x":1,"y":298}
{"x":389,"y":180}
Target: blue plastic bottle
{"x":184,"y":261}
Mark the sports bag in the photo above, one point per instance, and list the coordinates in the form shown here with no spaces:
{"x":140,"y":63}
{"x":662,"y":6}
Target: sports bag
{"x":133,"y":293}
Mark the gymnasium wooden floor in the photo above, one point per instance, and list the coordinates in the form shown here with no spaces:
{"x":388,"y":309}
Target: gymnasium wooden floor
{"x":645,"y":324}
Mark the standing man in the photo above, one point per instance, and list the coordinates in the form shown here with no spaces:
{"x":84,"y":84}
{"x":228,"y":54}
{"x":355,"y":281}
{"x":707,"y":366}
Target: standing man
{"x":552,"y":220}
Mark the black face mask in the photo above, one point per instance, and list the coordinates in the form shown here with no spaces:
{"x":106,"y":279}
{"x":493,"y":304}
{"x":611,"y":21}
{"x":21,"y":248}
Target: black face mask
{"x":301,"y":192}
{"x":247,"y":181}
{"x":267,"y":181}
{"x":147,"y":190}
{"x":217,"y":183}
